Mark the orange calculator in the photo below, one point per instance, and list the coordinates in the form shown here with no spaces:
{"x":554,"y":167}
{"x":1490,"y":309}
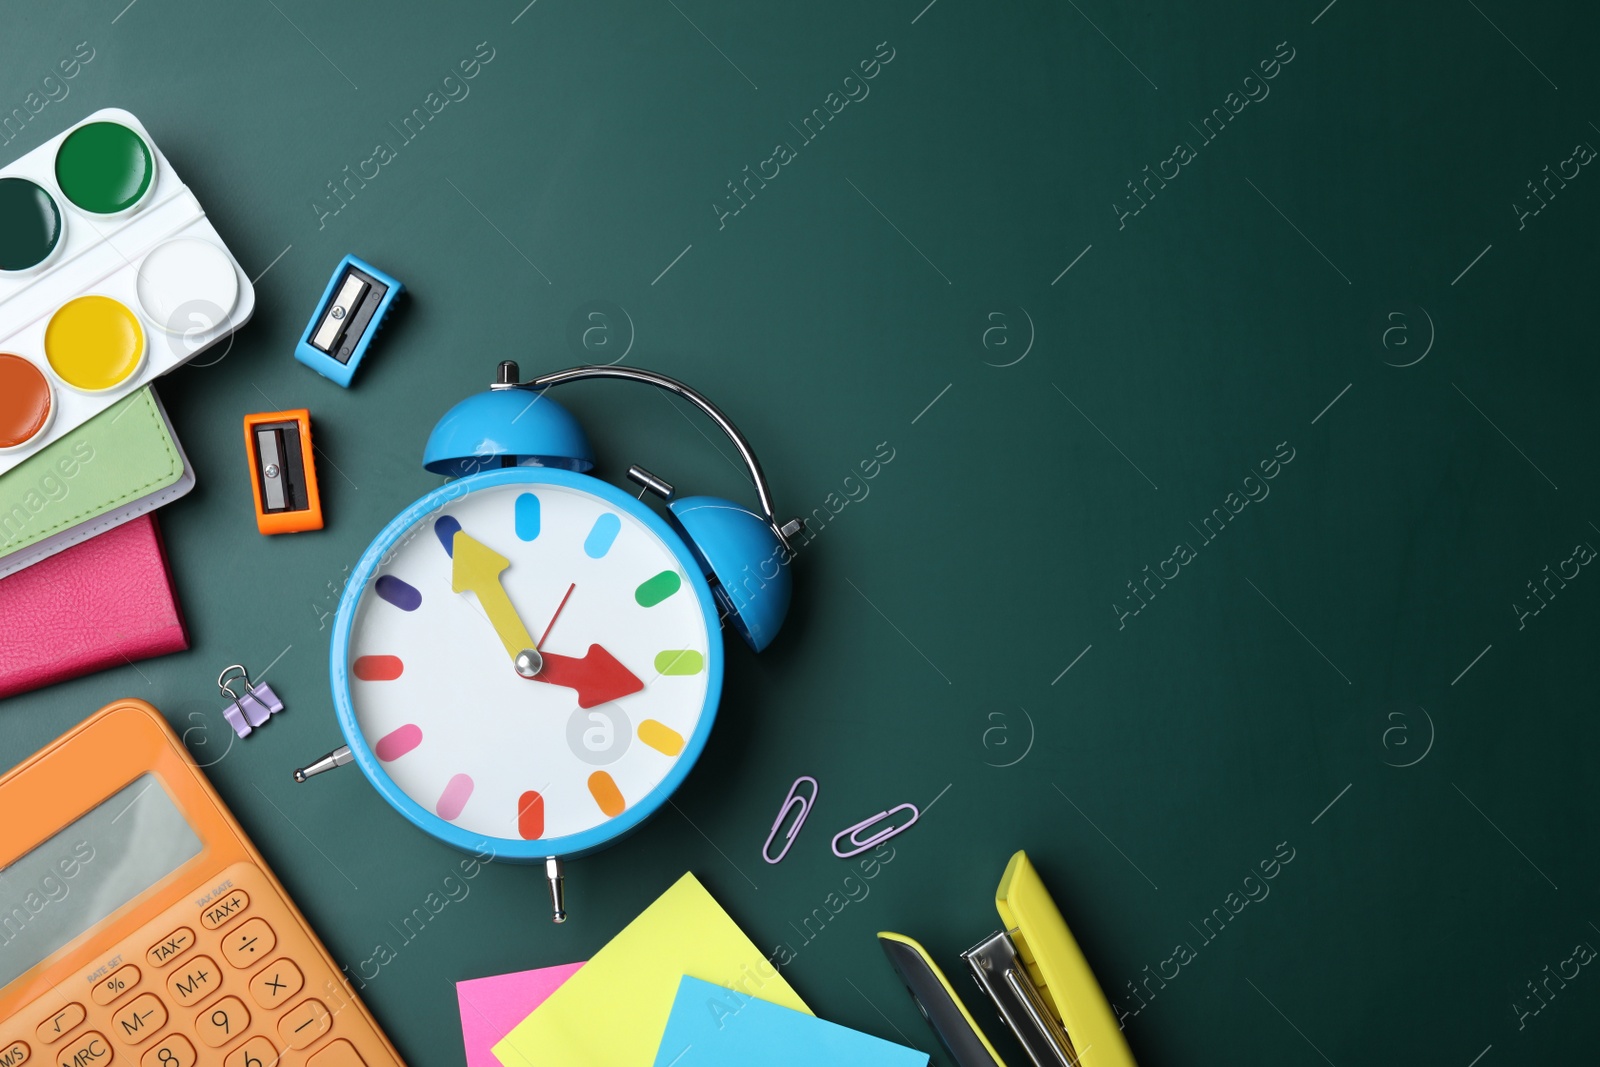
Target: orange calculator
{"x":139,"y":925}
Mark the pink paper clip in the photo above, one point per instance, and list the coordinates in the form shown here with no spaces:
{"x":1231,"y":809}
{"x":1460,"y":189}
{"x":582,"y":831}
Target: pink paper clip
{"x":852,"y":832}
{"x":795,"y":798}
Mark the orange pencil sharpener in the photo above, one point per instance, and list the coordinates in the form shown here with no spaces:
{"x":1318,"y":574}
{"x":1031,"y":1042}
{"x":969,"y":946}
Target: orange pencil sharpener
{"x":283,"y":473}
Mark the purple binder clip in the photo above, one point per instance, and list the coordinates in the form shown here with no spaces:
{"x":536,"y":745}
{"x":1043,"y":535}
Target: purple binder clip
{"x":251,"y":708}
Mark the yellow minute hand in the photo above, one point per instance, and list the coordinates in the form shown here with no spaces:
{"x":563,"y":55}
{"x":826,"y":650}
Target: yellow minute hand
{"x":476,"y":569}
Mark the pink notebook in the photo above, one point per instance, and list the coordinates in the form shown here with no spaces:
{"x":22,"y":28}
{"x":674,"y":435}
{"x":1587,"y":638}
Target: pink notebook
{"x":101,"y":603}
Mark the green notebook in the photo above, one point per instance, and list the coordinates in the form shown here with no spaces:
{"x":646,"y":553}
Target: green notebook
{"x":120,"y":464}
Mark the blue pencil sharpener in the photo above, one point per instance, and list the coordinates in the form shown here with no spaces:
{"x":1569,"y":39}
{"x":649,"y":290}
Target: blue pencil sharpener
{"x":352,"y":308}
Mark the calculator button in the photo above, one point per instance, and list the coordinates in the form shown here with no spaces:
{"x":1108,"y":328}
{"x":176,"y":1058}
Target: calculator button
{"x":340,"y":1053}
{"x":56,"y":1027}
{"x":222,"y":1022}
{"x":170,"y":947}
{"x":199,"y":978}
{"x":248,"y":943}
{"x":14,"y":1054}
{"x":304,"y":1023}
{"x":139,"y":1021}
{"x":173,"y":1051}
{"x":276,"y":983}
{"x":90,"y":1050}
{"x":223,"y":911}
{"x":114,"y":985}
{"x":257,"y":1052}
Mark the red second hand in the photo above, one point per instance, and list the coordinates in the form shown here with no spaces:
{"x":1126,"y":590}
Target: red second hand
{"x":554,"y":617}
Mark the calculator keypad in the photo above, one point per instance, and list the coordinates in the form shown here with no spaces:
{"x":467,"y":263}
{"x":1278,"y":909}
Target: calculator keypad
{"x":115,"y":985}
{"x":224,"y":910}
{"x":89,"y":1050}
{"x":304,"y":1023}
{"x":248,"y":943}
{"x":170,"y":947}
{"x":274,"y":984}
{"x":222,"y":1022}
{"x":61,"y":1023}
{"x":257,"y":1052}
{"x":196,"y":981}
{"x":174,"y":1050}
{"x":340,"y":1053}
{"x":139,"y":1021}
{"x":217,"y":971}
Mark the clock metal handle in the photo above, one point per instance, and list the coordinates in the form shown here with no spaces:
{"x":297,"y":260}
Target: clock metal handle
{"x":506,"y":378}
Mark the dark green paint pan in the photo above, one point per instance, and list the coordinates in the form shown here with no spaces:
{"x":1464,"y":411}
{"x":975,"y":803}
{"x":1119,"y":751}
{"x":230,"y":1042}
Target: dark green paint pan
{"x":30,"y":224}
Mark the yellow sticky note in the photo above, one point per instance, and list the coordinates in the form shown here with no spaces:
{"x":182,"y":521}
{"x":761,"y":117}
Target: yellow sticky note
{"x":613,"y":1012}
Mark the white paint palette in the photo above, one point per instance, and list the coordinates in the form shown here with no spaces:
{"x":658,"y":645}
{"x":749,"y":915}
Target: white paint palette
{"x":110,"y":276}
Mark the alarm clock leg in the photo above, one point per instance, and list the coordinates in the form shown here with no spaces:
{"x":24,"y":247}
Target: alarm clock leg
{"x":337,"y":758}
{"x":558,"y":908}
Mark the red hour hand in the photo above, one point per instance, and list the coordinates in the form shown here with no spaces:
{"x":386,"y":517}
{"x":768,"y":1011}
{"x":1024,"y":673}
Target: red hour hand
{"x":597,"y":677}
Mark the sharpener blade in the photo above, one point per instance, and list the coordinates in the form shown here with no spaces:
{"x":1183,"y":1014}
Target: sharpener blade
{"x":280,"y":467}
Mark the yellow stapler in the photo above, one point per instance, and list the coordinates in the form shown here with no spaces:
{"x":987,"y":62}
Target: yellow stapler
{"x":1037,"y":977}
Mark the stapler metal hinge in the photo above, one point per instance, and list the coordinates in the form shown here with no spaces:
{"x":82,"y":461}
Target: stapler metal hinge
{"x":1000,"y":971}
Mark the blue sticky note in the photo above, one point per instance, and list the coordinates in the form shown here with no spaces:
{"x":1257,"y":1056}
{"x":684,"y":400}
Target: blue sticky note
{"x":715,"y":1027}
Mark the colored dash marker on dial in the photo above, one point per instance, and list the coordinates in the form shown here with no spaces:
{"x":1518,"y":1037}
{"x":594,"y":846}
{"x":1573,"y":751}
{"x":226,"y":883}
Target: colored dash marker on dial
{"x":606,"y":794}
{"x":402,"y":595}
{"x":527,"y":515}
{"x":396,"y":743}
{"x":377,"y":668}
{"x":602,"y":535}
{"x":456,"y":793}
{"x":530,"y":815}
{"x":661,"y":737}
{"x":676,"y":661}
{"x":653,"y":591}
{"x":445,"y":527}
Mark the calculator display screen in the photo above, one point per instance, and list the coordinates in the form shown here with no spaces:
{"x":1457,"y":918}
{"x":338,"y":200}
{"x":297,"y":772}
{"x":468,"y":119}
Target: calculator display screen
{"x":98,"y":863}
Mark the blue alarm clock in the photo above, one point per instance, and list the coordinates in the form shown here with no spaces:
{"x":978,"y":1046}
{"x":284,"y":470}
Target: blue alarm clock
{"x":526,"y":662}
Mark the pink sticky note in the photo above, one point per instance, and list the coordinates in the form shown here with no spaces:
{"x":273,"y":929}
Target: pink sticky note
{"x":492,"y":1007}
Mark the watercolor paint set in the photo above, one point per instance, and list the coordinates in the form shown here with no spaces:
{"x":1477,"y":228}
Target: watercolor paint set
{"x":110,"y":276}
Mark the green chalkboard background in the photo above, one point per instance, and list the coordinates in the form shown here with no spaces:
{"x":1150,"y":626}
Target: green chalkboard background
{"x":1342,"y":275}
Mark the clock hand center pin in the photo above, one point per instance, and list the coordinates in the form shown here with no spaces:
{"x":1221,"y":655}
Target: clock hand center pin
{"x":528,"y":663}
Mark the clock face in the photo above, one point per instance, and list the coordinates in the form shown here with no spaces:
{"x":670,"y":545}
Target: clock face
{"x":624,"y":642}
